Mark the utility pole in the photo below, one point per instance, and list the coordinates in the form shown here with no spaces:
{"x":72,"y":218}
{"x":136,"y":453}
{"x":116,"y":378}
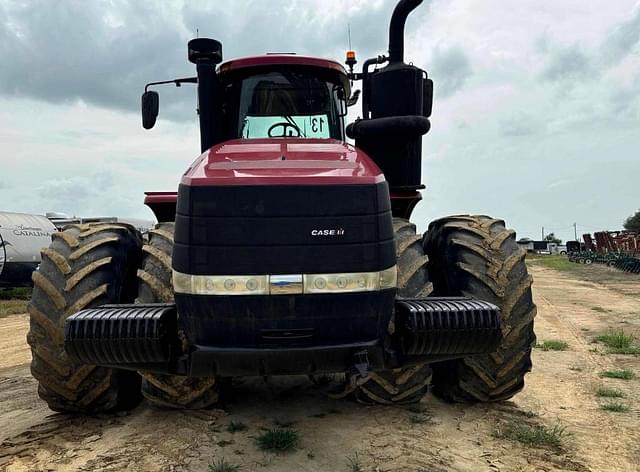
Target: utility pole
{"x":575,"y":231}
{"x":542,"y":234}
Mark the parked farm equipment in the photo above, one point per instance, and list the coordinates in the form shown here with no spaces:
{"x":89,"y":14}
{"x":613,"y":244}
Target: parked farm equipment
{"x":619,"y":249}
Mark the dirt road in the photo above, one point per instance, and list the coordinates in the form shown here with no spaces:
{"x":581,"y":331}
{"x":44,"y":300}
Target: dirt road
{"x":342,"y":436}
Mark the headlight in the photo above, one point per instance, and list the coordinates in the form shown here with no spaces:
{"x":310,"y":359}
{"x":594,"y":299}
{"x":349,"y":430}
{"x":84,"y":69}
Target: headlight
{"x":285,"y":284}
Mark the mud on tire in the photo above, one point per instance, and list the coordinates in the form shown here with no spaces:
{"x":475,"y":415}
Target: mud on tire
{"x":155,"y":286}
{"x":407,"y":384}
{"x":476,"y":256}
{"x":85,"y":266}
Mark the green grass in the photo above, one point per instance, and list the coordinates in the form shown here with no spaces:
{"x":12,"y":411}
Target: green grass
{"x":609,"y":392}
{"x":625,"y":374}
{"x":553,"y":345}
{"x":236,"y":426}
{"x":555,"y":262}
{"x":223,"y":466}
{"x":279,"y":440}
{"x":534,"y":436}
{"x":15,"y":293}
{"x":615,"y":407}
{"x":617,"y":342}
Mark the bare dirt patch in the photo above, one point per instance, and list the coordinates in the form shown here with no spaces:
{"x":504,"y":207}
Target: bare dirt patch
{"x":339,"y":435}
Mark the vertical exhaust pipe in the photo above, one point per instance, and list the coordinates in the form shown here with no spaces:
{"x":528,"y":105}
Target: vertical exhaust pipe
{"x":396,"y":29}
{"x":206,"y":54}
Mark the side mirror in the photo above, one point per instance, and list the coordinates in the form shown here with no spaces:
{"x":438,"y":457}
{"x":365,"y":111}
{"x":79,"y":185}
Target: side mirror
{"x":150,"y":108}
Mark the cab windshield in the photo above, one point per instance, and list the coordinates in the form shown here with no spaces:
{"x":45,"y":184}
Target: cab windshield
{"x":286,"y":104}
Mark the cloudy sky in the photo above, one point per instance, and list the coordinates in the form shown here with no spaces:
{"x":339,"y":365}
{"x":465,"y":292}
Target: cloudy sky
{"x":535,"y":119}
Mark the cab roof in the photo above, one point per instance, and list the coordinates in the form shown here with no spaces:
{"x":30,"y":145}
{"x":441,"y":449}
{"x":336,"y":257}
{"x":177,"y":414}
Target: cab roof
{"x":286,"y":60}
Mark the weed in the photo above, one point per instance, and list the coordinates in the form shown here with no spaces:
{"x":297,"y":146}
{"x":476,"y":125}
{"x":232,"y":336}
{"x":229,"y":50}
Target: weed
{"x":625,"y":374}
{"x":236,"y":426}
{"x":223,"y":466}
{"x":536,"y":436}
{"x":224,"y":443}
{"x":553,"y":345}
{"x":279,"y":440}
{"x":609,"y":392}
{"x":419,"y":418}
{"x":310,"y":455}
{"x":599,"y":309}
{"x":616,"y":407}
{"x":575,"y":368}
{"x":530,"y":414}
{"x":354,"y":464}
{"x":13,"y":307}
{"x":617,"y":342}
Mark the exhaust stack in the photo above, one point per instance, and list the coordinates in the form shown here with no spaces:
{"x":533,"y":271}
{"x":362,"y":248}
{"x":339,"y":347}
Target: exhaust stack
{"x":396,"y":29}
{"x":206,"y":54}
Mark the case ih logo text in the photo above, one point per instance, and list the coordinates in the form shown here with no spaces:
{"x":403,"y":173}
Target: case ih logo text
{"x":327,"y":232}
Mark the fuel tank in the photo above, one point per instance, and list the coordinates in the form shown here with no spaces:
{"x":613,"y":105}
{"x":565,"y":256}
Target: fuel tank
{"x":284,"y":242}
{"x":22,"y":237}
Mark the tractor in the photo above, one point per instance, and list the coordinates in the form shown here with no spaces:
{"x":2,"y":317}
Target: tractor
{"x":287,"y":250}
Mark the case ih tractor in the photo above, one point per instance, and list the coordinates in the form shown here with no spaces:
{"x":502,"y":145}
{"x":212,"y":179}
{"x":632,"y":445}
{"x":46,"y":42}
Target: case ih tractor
{"x":286,"y":251}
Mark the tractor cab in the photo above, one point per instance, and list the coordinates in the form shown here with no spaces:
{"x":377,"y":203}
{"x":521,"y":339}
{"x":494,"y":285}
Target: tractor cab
{"x":283,"y":96}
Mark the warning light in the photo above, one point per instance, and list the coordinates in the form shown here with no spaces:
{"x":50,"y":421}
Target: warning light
{"x":351,"y":60}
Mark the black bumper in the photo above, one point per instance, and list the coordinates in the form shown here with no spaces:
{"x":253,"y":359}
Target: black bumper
{"x":145,"y":337}
{"x":229,"y":362}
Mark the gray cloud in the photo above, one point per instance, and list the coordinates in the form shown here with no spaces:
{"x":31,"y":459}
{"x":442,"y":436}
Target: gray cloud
{"x":575,"y":63}
{"x":103,"y":52}
{"x":450,"y":68}
{"x":74,"y":193}
{"x":621,"y":40}
{"x":567,"y":64}
{"x":521,"y":124}
{"x":90,"y":51}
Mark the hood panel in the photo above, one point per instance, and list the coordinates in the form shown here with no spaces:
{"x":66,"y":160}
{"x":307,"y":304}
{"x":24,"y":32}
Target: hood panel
{"x":283,"y":162}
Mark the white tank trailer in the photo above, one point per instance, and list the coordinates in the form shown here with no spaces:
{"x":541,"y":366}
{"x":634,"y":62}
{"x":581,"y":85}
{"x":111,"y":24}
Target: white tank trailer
{"x":22,"y":236}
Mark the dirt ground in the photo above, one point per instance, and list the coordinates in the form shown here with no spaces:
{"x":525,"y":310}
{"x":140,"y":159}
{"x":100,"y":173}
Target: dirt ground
{"x":573,"y":306}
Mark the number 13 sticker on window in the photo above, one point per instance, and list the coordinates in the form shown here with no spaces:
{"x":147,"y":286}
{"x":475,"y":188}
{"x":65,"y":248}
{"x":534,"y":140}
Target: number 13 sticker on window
{"x":308,"y":126}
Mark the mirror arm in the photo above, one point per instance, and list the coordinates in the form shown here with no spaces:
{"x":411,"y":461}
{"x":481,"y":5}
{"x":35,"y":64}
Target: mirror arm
{"x":177,"y":82}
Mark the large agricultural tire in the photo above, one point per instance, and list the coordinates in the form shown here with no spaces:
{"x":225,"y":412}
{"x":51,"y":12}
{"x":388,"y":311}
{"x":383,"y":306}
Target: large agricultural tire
{"x":85,"y":266}
{"x":476,"y":256}
{"x":155,"y":286}
{"x":406,"y":384}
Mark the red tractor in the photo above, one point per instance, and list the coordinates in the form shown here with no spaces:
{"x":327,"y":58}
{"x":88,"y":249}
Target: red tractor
{"x":286,"y":251}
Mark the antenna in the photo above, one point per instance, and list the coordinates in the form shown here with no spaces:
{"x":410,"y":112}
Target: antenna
{"x":351,"y":55}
